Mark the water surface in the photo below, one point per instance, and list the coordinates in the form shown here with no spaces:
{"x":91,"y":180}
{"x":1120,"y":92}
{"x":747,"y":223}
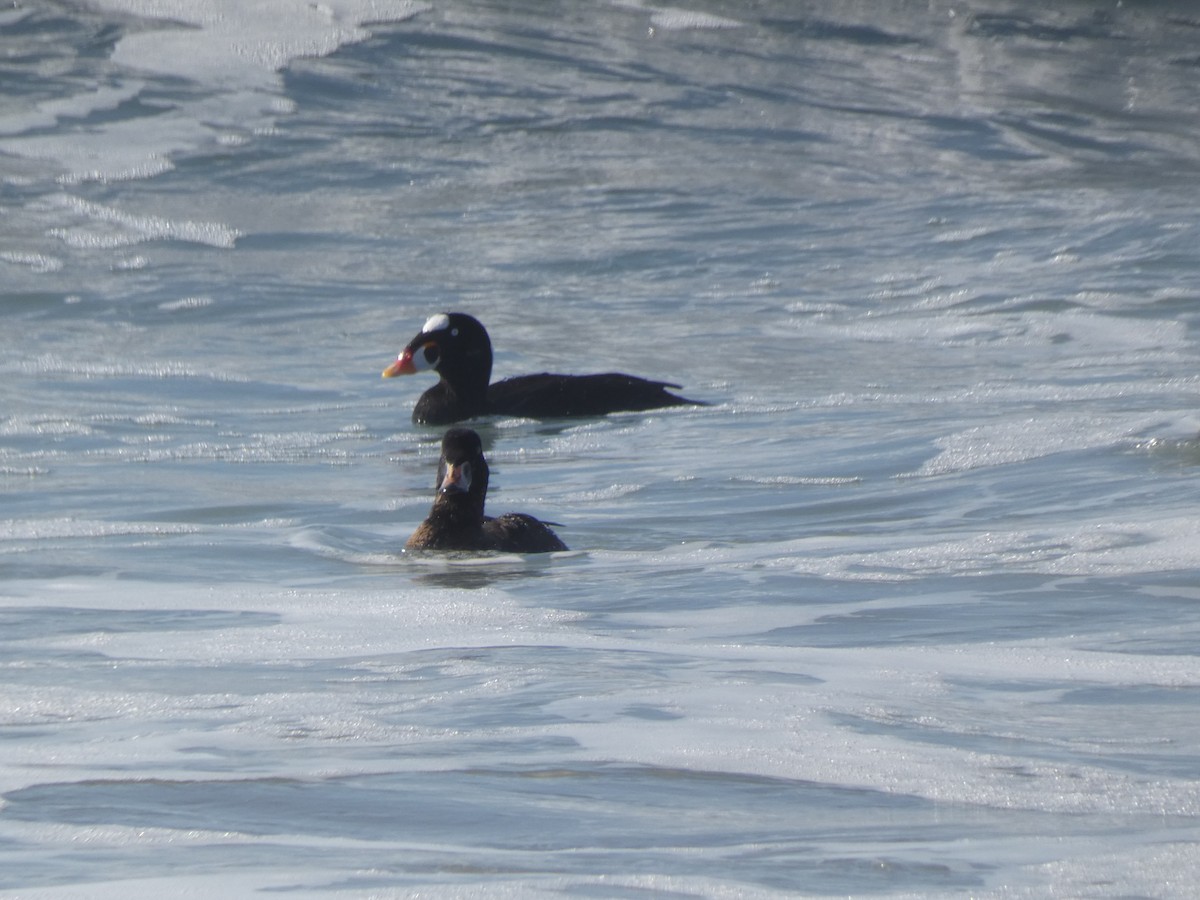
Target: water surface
{"x":909,"y":609}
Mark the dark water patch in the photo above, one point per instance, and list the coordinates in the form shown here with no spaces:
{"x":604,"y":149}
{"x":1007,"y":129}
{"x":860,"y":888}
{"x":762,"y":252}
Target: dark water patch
{"x":826,"y":30}
{"x":765,"y":831}
{"x":1002,"y":26}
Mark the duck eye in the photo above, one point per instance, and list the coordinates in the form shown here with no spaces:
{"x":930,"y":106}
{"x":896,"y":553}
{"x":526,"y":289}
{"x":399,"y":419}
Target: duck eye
{"x":453,"y":332}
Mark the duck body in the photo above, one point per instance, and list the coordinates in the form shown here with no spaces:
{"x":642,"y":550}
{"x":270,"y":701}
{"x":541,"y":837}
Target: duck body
{"x":520,"y":533}
{"x":456,"y":346}
{"x":457,"y":520}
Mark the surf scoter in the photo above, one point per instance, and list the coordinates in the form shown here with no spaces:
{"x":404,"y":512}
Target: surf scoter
{"x":457,"y":522}
{"x":457,"y":347}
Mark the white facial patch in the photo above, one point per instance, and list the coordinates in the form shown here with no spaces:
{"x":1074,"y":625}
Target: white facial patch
{"x":456,"y":478}
{"x":436,"y":323}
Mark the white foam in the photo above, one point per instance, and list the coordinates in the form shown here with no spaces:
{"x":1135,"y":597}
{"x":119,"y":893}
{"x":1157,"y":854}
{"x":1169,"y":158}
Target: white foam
{"x":384,"y":621}
{"x":107,"y":227}
{"x":130,"y":264}
{"x":36,"y":262}
{"x":52,"y":364}
{"x":186,"y":303}
{"x":611,"y":492}
{"x":793,"y":727}
{"x":233,"y":50}
{"x":1017,"y":440}
{"x":394,"y":678}
{"x":675,"y":19}
{"x":34,"y":530}
{"x":42,"y":426}
{"x":47,"y":113}
{"x":119,"y":151}
{"x":246,"y":44}
{"x":794,"y":480}
{"x":26,"y":472}
{"x":1077,"y":546}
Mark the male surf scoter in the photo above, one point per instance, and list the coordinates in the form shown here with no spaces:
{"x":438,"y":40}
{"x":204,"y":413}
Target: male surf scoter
{"x":457,"y":522}
{"x":457,"y":347}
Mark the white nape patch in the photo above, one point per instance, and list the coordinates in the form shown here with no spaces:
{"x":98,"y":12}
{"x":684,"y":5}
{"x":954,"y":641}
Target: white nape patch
{"x":436,"y":323}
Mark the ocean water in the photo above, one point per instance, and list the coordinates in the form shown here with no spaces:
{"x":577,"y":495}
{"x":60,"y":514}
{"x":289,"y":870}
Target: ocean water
{"x":911,"y":608}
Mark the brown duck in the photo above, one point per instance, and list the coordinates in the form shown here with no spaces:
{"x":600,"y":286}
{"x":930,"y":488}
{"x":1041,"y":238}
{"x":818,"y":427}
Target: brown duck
{"x":457,"y":520}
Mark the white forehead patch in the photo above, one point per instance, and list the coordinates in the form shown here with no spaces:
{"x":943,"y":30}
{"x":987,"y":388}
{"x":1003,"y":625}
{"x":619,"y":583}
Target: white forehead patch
{"x":436,"y":323}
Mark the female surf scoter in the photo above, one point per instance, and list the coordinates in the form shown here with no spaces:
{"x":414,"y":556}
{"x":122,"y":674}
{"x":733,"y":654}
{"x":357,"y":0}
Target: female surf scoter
{"x":457,"y":347}
{"x":457,"y":522}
